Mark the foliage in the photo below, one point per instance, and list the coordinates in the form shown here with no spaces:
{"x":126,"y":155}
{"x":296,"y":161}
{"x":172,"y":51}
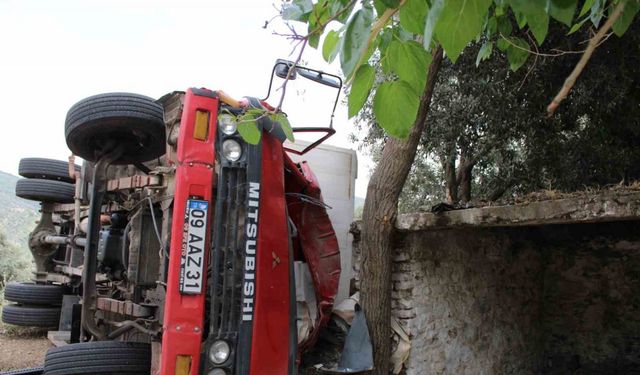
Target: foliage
{"x":14,"y":265}
{"x":248,"y":124}
{"x":17,"y":220}
{"x":489,"y":120}
{"x":18,"y":215}
{"x":378,"y":30}
{"x":359,"y":32}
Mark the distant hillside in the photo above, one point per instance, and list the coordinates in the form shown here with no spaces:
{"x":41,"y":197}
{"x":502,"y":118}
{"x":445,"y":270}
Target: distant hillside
{"x":17,"y":215}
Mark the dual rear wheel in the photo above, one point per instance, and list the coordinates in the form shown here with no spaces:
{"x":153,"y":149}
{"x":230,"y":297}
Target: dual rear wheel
{"x":93,"y":126}
{"x":35,"y":305}
{"x":99,"y":358}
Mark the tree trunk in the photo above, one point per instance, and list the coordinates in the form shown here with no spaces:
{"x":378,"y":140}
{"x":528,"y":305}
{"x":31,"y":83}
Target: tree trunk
{"x":450,"y":180}
{"x":465,"y":182}
{"x":502,"y":188}
{"x":465,"y":185}
{"x":378,"y":218}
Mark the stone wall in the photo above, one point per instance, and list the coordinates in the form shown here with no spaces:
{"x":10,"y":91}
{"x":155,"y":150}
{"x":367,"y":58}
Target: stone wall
{"x":534,"y":299}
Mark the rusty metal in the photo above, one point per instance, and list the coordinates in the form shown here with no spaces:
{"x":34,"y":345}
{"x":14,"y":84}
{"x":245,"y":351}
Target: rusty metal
{"x":64,"y":240}
{"x":133,"y":182}
{"x":124,"y":307}
{"x":88,"y":324}
{"x":42,"y":251}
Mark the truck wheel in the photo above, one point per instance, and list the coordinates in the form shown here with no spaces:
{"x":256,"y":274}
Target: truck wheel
{"x":34,"y":294}
{"x":48,"y":191}
{"x":133,"y":121}
{"x":31,"y":316}
{"x":48,"y":169}
{"x":99,"y":357}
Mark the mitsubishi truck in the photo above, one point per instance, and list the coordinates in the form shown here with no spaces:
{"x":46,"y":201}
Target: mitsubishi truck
{"x":187,"y":242}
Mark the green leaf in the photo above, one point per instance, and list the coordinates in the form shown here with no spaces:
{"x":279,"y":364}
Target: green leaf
{"x":562,"y":10}
{"x":355,"y":40}
{"x":521,"y":19}
{"x":344,"y":8}
{"x":626,"y":18}
{"x":305,"y":5}
{"x":492,"y":26}
{"x":292,"y":12}
{"x":314,"y":40}
{"x":360,"y":88}
{"x":517,"y":56}
{"x":504,"y":26}
{"x":379,"y":6}
{"x":484,"y":53}
{"x":459,"y":23}
{"x":284,"y":123}
{"x":385,"y":38}
{"x":330,"y":46}
{"x":597,"y":12}
{"x":432,"y":19}
{"x":539,"y":26}
{"x":395,"y":106}
{"x":577,"y":26}
{"x":319,"y":16}
{"x":502,"y":44}
{"x":390,"y":3}
{"x":536,"y":15}
{"x":248,"y":127}
{"x":413,"y":16}
{"x":297,"y":10}
{"x":586,"y":6}
{"x":410,"y":62}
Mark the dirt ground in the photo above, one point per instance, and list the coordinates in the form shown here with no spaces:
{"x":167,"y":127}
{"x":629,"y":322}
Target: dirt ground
{"x":22,"y":347}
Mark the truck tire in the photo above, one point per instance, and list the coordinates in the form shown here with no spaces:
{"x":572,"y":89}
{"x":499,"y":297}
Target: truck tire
{"x":31,"y":316}
{"x":48,"y":191}
{"x":25,"y":371}
{"x":48,"y":169}
{"x":99,"y":357}
{"x":133,"y":121}
{"x":34,"y":294}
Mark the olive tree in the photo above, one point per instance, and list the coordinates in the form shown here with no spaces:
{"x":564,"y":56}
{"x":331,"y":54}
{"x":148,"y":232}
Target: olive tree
{"x":410,"y":39}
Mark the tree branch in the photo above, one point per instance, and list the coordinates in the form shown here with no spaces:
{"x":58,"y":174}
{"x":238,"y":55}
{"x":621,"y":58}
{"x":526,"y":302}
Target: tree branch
{"x":593,"y":44}
{"x":289,"y":73}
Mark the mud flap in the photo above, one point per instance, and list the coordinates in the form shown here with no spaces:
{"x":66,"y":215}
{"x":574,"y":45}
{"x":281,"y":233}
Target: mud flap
{"x":357,"y":355}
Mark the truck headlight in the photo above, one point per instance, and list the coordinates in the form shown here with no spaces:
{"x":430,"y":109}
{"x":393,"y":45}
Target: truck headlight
{"x":231,"y":150}
{"x":217,"y":371}
{"x":219,"y":352}
{"x":227,"y":124}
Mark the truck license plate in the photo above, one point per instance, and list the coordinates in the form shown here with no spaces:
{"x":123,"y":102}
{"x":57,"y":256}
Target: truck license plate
{"x":193,"y":247}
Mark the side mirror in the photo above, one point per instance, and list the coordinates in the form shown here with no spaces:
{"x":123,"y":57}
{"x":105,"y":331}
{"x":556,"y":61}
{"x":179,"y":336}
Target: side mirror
{"x":319,"y":77}
{"x":283,"y":67}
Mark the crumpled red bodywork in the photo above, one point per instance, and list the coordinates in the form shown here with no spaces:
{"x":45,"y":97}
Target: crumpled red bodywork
{"x":316,"y":241}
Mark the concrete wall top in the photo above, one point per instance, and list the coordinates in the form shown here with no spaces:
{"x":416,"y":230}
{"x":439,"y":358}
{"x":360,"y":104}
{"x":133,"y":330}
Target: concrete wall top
{"x":602,"y":207}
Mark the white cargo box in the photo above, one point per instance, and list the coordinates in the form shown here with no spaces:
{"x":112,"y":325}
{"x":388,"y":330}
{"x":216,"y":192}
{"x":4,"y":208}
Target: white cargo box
{"x":336,"y":169}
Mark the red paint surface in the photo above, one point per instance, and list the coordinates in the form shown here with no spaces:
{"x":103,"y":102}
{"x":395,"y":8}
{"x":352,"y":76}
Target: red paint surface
{"x":184,"y":314}
{"x":270,"y":343}
{"x":316,"y":243}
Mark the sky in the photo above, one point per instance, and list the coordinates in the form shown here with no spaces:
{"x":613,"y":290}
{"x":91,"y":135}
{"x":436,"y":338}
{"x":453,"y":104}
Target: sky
{"x":55,"y":53}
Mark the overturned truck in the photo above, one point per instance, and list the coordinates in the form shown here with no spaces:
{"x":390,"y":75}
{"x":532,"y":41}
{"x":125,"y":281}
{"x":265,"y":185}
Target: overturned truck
{"x":178,"y":247}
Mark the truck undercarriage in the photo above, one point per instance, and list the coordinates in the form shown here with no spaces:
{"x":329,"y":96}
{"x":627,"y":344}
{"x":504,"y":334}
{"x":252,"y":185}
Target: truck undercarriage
{"x":180,"y":248}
